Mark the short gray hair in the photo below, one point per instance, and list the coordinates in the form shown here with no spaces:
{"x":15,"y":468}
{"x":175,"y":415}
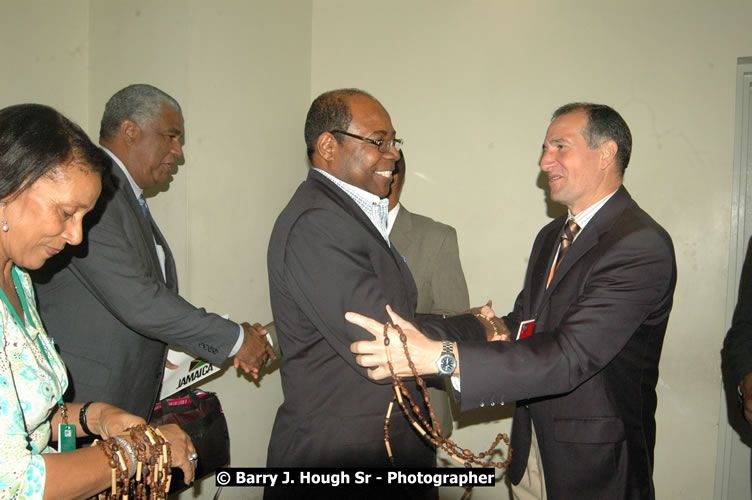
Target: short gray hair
{"x":141,"y":103}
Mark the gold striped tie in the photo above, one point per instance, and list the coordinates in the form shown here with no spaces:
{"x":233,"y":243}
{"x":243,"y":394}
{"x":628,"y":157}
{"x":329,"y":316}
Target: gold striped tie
{"x":568,"y":233}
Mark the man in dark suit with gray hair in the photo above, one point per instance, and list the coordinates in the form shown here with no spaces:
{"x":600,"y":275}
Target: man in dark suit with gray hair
{"x":112,"y":303}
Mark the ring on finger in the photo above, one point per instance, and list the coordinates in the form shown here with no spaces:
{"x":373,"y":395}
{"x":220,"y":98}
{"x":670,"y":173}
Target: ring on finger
{"x":193,"y":457}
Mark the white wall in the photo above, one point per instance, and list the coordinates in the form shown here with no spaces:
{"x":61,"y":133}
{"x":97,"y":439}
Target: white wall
{"x":470,"y":86}
{"x":44,"y":55}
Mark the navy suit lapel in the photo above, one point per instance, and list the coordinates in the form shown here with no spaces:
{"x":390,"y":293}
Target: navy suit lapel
{"x":171,"y":274}
{"x":543,"y":266}
{"x":148,"y":233}
{"x":587,"y":239}
{"x":349,"y":206}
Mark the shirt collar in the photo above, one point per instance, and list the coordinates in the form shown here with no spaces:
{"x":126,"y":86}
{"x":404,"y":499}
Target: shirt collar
{"x":586,"y":215}
{"x":375,"y":208}
{"x":136,"y":188}
{"x":349,"y":187}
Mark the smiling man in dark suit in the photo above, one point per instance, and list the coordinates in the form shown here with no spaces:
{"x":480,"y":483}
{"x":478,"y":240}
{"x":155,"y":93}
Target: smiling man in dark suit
{"x":599,"y":290}
{"x":112,"y":304}
{"x":329,"y":253}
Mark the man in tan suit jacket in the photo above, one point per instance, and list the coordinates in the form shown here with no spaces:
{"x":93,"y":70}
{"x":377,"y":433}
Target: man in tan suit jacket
{"x":431,"y":252}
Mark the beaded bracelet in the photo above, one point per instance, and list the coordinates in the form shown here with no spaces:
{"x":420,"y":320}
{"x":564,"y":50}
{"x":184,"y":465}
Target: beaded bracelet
{"x":493,"y":325}
{"x":115,"y":459}
{"x":149,"y":454}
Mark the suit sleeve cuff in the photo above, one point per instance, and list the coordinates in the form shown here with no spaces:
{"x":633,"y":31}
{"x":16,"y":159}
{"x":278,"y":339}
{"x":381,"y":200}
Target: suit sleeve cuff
{"x":238,"y":343}
{"x":455,"y":382}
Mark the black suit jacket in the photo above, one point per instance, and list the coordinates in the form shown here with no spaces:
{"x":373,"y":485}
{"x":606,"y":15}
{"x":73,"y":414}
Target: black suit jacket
{"x":737,"y":346}
{"x":326,"y":258}
{"x":592,"y":361}
{"x":110,"y":311}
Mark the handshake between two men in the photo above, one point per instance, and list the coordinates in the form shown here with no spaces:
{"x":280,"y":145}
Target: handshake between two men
{"x":255,"y":350}
{"x":424,"y":352}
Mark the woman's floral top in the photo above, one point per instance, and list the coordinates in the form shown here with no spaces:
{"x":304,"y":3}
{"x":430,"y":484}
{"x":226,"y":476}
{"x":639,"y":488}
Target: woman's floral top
{"x":31,"y":382}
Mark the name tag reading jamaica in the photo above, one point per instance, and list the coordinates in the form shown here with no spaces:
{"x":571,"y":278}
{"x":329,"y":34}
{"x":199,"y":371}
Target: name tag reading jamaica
{"x":334,"y":478}
{"x":198,"y":370}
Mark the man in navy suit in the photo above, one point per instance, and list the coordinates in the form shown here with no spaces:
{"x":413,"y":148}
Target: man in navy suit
{"x":329,"y":253}
{"x":585,"y":371}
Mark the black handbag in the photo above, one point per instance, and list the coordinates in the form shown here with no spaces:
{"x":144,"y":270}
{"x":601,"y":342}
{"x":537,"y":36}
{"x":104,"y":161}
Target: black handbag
{"x":200,"y":415}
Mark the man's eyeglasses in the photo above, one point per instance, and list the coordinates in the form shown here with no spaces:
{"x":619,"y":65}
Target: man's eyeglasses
{"x":383,"y":145}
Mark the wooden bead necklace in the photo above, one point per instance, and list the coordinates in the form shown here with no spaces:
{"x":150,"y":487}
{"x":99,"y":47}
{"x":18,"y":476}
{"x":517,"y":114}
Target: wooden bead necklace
{"x":434,"y":433}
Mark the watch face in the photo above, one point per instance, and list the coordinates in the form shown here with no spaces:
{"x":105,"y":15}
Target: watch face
{"x":447,"y":364}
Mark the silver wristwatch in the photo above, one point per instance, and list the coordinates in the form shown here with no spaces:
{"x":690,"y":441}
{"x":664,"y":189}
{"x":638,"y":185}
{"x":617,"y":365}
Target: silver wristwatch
{"x":446,"y":363}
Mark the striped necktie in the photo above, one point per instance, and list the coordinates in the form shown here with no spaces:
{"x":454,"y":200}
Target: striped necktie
{"x":568,"y":233}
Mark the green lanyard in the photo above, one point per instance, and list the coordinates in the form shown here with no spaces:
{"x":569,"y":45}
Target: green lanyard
{"x":67,"y":432}
{"x":27,"y":313}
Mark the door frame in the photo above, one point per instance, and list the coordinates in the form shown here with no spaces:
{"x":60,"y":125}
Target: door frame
{"x":733,"y":456}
